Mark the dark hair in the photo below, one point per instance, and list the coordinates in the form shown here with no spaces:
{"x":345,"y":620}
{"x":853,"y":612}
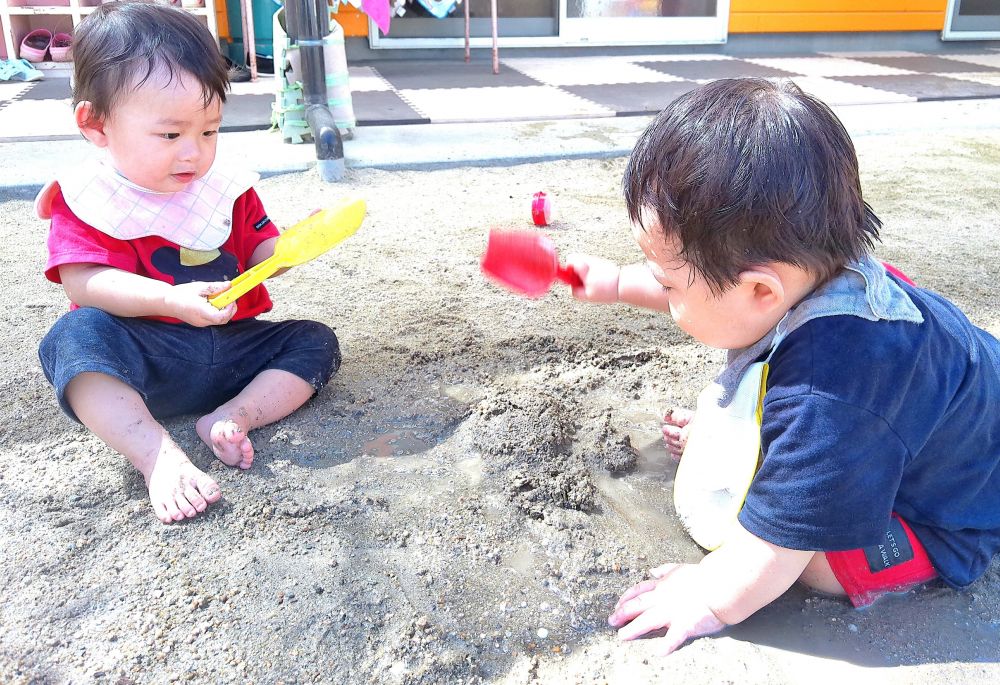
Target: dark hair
{"x":120,"y":44}
{"x":745,"y":172}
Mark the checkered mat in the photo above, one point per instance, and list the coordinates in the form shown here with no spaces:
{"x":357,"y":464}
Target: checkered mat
{"x":420,"y":91}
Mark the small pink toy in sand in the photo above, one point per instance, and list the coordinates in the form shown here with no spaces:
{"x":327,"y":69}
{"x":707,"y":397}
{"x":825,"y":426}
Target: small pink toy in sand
{"x":541,"y":209}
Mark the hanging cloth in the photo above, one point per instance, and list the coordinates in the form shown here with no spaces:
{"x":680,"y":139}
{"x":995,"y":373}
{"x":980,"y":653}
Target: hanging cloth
{"x":378,"y":10}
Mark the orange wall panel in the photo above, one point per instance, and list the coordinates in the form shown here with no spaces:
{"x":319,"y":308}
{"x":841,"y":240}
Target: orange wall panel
{"x":927,"y":6}
{"x":796,"y":16}
{"x":807,"y":6}
{"x":222,"y":20}
{"x":352,"y":20}
{"x":826,"y":21}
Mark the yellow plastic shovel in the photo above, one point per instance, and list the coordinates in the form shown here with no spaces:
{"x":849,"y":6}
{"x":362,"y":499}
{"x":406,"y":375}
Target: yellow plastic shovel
{"x":304,"y":241}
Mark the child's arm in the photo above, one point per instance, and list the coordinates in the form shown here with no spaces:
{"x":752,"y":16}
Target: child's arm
{"x":262,"y":252}
{"x":604,"y":281}
{"x":728,"y":585}
{"x":123,"y":293}
{"x":266,"y":249}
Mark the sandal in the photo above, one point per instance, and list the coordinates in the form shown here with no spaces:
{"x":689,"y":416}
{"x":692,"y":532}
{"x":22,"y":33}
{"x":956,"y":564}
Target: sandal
{"x":237,"y":73}
{"x":35,"y":45}
{"x":62,"y":47}
{"x":18,"y":70}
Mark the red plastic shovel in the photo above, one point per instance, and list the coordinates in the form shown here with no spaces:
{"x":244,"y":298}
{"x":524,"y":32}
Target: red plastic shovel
{"x":526,"y":262}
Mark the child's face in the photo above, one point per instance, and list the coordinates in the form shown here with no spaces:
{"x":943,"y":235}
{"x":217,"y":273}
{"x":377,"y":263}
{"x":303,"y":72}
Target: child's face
{"x":161,"y":136}
{"x":732,"y":320}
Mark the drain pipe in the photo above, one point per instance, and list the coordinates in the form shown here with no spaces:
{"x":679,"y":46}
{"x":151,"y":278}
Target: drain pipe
{"x":308,"y":24}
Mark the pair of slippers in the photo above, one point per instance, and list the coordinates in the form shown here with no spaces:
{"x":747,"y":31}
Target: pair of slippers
{"x":40,"y":42}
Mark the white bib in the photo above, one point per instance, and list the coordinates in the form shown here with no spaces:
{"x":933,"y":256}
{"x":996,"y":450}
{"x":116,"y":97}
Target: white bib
{"x":720,"y":458}
{"x":199,"y":217}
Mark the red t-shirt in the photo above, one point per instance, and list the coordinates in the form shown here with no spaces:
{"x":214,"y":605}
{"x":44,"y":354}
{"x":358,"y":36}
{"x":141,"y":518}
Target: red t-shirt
{"x":71,"y":241}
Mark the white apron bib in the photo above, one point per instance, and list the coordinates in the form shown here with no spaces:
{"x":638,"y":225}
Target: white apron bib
{"x":720,"y":459}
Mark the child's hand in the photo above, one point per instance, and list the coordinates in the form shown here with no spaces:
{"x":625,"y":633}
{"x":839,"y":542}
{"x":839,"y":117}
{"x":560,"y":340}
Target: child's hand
{"x":672,"y":600}
{"x":599,"y":277}
{"x":676,"y":427}
{"x":189,"y":303}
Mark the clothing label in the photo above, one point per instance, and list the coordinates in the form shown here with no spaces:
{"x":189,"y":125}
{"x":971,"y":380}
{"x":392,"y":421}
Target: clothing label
{"x":262,"y":223}
{"x":895,"y":551}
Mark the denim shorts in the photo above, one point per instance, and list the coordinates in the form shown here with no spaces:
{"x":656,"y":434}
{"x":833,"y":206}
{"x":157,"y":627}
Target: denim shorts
{"x":181,"y":369}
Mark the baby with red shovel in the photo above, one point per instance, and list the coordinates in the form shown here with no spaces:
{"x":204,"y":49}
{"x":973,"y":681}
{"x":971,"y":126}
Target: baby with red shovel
{"x":851,"y":443}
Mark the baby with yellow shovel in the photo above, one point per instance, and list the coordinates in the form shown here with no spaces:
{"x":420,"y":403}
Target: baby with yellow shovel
{"x":142,"y":240}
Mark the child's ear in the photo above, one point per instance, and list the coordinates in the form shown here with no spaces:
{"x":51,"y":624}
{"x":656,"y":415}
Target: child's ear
{"x":768,"y":290}
{"x":91,"y":127}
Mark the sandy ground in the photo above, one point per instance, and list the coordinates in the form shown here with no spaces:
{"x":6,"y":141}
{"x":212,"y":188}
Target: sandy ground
{"x":468,"y":497}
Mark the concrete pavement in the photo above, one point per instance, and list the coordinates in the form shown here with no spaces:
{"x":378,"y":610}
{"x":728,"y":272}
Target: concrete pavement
{"x":27,"y":165}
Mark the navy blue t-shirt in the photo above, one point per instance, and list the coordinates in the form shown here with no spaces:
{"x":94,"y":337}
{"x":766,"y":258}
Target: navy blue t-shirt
{"x":864,"y":418}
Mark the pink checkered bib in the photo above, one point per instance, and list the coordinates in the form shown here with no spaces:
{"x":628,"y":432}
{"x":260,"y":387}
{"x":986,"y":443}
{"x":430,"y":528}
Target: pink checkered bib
{"x":199,"y":217}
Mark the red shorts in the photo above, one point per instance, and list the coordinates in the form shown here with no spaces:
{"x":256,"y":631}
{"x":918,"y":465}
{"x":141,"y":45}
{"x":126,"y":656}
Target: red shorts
{"x":897,"y":565}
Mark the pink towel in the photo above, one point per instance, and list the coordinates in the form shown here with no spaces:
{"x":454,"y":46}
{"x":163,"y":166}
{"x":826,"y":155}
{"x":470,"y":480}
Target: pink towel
{"x":378,"y":10}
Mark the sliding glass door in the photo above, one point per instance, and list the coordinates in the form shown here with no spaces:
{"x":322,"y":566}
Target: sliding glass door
{"x":972,"y":20}
{"x":547,"y":23}
{"x":609,"y":22}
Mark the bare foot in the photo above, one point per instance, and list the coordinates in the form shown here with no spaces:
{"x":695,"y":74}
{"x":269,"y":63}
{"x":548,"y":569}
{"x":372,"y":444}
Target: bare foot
{"x":675,"y":431}
{"x":227,"y":439}
{"x":178,"y":489}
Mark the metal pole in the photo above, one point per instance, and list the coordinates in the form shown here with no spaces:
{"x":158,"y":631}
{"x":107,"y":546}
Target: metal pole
{"x":249,"y":42}
{"x":311,"y":25}
{"x":467,"y":29}
{"x":496,"y":54}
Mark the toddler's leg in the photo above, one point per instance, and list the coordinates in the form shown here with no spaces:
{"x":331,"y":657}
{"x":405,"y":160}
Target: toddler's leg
{"x":117,"y":415}
{"x":271,"y":396}
{"x":286,"y":353}
{"x":675,"y":431}
{"x":819,"y":576}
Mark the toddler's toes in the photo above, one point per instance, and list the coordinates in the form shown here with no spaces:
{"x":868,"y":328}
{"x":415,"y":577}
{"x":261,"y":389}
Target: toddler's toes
{"x":174,"y":512}
{"x":246,"y":454}
{"x":163,"y":512}
{"x":231,"y":445}
{"x":179,"y":490}
{"x":194,"y":500}
{"x":207,"y":488}
{"x":189,"y":509}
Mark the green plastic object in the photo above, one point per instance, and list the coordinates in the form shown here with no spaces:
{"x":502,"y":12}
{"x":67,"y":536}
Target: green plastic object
{"x":288,"y":110}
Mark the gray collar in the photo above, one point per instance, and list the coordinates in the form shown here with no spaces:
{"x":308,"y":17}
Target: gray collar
{"x":861,"y":289}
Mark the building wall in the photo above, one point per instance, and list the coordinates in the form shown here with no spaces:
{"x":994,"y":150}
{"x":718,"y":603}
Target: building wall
{"x":795,"y":16}
{"x":787,"y":16}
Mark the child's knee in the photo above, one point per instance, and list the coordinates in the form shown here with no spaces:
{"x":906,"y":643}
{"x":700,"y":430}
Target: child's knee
{"x":75,"y":331}
{"x":83,"y":322}
{"x":81,"y":341}
{"x":322,"y":346}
